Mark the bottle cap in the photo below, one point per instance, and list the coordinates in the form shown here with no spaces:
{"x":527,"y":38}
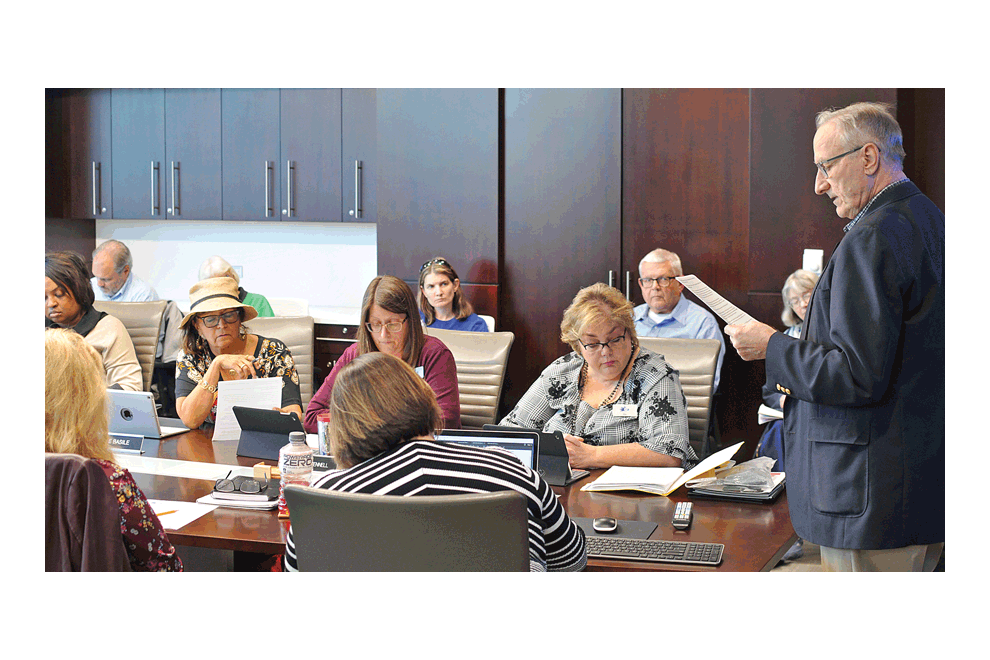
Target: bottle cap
{"x":297,"y":436}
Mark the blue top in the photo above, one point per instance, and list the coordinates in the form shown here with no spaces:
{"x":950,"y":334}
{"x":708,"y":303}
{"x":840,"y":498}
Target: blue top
{"x":134,"y":290}
{"x":473,"y":323}
{"x":686,"y":321}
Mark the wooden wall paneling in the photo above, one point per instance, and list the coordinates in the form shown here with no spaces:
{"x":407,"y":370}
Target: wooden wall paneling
{"x":787,"y":216}
{"x":438,"y":181}
{"x":56,"y":163}
{"x":483,"y":297}
{"x":562,"y":216}
{"x":921,"y":114}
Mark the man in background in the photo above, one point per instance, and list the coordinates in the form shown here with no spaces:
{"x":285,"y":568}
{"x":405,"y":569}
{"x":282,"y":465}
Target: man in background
{"x":666,"y":313}
{"x":113,"y":279}
{"x":864,"y":417}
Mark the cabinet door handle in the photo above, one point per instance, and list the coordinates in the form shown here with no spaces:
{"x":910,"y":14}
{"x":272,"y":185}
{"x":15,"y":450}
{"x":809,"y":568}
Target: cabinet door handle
{"x":95,"y":211}
{"x":154,"y":197}
{"x":356,"y":211}
{"x":174,"y":210}
{"x":287,"y":211}
{"x":611,"y":278}
{"x":627,"y":286}
{"x":268,"y":205}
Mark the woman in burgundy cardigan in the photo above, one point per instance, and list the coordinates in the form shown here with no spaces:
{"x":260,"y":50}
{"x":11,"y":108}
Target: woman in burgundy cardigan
{"x":390,"y":324}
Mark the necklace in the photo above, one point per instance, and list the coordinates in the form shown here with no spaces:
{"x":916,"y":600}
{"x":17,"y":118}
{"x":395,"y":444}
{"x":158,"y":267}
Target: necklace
{"x":618,"y":383}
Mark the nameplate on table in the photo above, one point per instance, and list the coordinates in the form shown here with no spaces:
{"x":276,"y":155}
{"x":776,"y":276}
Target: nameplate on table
{"x":323,"y":463}
{"x":127,"y":442}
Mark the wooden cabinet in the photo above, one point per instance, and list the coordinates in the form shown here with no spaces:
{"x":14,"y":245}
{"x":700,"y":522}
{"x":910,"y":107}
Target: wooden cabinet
{"x":438,"y":164}
{"x":359,"y":155}
{"x":562,"y":216}
{"x":139,"y":172}
{"x":310,"y":166}
{"x":329,"y":343}
{"x":193,"y":168}
{"x":87,"y":148}
{"x":250,"y":127}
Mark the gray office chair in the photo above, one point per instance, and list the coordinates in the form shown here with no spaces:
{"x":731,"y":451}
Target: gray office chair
{"x":354,"y":532}
{"x":695,"y":361}
{"x":296,"y":332}
{"x":481,"y":358}
{"x":143,"y":321}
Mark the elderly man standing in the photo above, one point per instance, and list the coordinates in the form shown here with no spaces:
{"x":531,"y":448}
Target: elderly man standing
{"x":114,"y":280}
{"x":666,"y":313}
{"x":864,"y":417}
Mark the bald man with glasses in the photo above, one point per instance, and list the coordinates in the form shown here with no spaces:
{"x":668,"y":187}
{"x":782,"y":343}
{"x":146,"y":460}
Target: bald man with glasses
{"x":864,"y":417}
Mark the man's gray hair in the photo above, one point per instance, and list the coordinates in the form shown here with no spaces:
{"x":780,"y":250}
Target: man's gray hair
{"x":860,"y":123}
{"x":660,"y":256}
{"x":121,"y":255}
{"x":217,"y":267}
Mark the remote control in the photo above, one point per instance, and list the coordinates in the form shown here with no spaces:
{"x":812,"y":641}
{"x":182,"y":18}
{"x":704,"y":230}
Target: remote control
{"x":682,"y":515}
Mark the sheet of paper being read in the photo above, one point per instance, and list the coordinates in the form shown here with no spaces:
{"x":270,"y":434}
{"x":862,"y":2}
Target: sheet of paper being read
{"x":264,"y":393}
{"x":725,"y":310}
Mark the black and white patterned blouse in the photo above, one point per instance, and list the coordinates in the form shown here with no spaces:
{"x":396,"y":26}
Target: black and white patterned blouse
{"x":553,"y":403}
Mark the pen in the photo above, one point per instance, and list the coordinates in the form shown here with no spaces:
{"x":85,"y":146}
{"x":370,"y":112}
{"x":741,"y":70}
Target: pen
{"x":165,"y":513}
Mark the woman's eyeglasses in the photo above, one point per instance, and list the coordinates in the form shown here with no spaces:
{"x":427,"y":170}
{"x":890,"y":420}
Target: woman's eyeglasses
{"x":247,"y":485}
{"x":600,"y":346}
{"x":376,"y":328}
{"x":431,"y":262}
{"x":214,"y":321}
{"x":794,"y":302}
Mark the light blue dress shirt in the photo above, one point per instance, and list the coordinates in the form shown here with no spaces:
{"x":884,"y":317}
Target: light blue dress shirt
{"x":686,"y":321}
{"x":134,"y":290}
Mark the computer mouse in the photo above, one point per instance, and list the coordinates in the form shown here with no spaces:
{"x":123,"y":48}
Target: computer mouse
{"x":605,"y":525}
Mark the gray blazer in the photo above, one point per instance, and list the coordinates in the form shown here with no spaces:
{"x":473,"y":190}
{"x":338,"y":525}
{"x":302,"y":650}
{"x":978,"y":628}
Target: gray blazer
{"x":864,"y":417}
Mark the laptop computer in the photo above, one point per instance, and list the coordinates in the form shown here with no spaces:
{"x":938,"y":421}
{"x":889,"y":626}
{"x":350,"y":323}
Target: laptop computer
{"x":134,"y":413}
{"x":524,"y":445}
{"x":552,"y":460}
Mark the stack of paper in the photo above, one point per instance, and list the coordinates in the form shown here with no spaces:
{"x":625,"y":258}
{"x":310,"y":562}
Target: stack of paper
{"x":658,"y":481}
{"x":238,"y":504}
{"x":766,"y":414}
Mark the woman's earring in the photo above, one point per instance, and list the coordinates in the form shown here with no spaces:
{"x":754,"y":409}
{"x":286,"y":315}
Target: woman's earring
{"x":242,"y":332}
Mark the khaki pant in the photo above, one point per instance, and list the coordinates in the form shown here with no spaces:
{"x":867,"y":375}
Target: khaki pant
{"x":914,"y":558}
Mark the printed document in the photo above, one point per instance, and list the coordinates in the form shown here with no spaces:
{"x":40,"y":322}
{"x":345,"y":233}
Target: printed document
{"x":726,"y":310}
{"x":264,"y":393}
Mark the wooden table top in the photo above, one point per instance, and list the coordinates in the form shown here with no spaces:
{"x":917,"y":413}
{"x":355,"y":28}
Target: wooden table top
{"x":755,"y":534}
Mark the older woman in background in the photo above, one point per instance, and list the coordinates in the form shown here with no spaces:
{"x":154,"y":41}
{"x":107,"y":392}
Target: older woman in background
{"x":69,"y":301}
{"x":384,"y":418}
{"x":217,"y":345}
{"x":615,"y":402}
{"x":442,"y":303}
{"x":76,"y":423}
{"x":219,"y":267}
{"x":389,"y":324}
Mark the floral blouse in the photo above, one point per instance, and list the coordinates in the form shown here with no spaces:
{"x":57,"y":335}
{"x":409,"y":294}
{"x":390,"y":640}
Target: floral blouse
{"x":653,"y":389}
{"x":148,"y":547}
{"x":273,"y":360}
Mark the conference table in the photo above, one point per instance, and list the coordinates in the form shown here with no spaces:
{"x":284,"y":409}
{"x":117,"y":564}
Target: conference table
{"x":755,"y":534}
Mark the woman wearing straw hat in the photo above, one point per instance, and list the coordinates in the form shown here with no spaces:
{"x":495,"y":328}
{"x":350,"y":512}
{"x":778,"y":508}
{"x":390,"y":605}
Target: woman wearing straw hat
{"x":217,"y":346}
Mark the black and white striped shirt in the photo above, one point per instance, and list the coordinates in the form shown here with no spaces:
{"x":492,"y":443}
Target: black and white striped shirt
{"x":423,"y":467}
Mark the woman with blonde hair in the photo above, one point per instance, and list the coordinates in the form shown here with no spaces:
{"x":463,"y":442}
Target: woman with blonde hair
{"x":383,"y":419}
{"x":442,"y":303}
{"x":390,"y":324}
{"x":76,"y":423}
{"x":616,"y":402}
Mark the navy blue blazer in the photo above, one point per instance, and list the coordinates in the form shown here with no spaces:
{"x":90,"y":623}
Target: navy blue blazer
{"x":864,"y":418}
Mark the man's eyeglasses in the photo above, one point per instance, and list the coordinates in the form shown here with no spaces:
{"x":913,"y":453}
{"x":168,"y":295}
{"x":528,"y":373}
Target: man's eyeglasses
{"x":821,"y":165}
{"x":431,"y":262}
{"x":600,"y":346}
{"x":794,"y":302}
{"x":648,"y":282}
{"x":213,"y":321}
{"x":376,"y":327}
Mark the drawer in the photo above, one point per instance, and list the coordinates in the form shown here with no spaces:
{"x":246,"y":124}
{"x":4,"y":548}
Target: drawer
{"x":330,"y":333}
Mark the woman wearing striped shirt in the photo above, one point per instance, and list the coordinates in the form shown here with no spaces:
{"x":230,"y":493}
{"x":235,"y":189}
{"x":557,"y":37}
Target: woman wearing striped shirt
{"x":383,"y":420}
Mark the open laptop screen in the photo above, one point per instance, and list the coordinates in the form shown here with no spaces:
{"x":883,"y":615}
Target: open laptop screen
{"x":522,"y":445}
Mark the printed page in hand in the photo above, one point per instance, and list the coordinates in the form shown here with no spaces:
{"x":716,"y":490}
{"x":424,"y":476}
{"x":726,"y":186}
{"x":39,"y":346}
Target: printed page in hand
{"x":725,"y":310}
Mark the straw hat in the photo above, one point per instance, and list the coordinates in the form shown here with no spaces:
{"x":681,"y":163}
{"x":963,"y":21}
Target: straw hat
{"x":214,"y":294}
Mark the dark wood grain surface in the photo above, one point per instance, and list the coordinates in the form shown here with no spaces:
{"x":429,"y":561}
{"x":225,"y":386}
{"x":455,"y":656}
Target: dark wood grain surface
{"x":755,"y":535}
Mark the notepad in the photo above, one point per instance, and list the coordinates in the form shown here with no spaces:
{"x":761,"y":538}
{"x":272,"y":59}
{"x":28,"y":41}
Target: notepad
{"x":658,"y":480}
{"x":725,"y":310}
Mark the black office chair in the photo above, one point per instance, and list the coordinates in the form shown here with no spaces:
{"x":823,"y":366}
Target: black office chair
{"x":354,"y":532}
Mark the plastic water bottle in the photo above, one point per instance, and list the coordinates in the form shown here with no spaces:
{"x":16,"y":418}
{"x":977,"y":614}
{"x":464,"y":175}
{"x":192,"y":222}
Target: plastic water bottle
{"x":295,"y":463}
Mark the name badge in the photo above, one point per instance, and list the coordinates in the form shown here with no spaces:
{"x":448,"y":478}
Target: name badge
{"x":126,"y":442}
{"x":419,"y":372}
{"x":624,"y":410}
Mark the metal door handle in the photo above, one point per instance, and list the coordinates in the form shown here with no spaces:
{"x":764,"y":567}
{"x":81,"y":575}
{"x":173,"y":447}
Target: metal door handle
{"x":174,"y":209}
{"x":154,"y":197}
{"x":356,"y":211}
{"x":95,"y":210}
{"x":287,"y":211}
{"x":611,"y":278}
{"x":268,"y":205}
{"x":627,"y":286}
